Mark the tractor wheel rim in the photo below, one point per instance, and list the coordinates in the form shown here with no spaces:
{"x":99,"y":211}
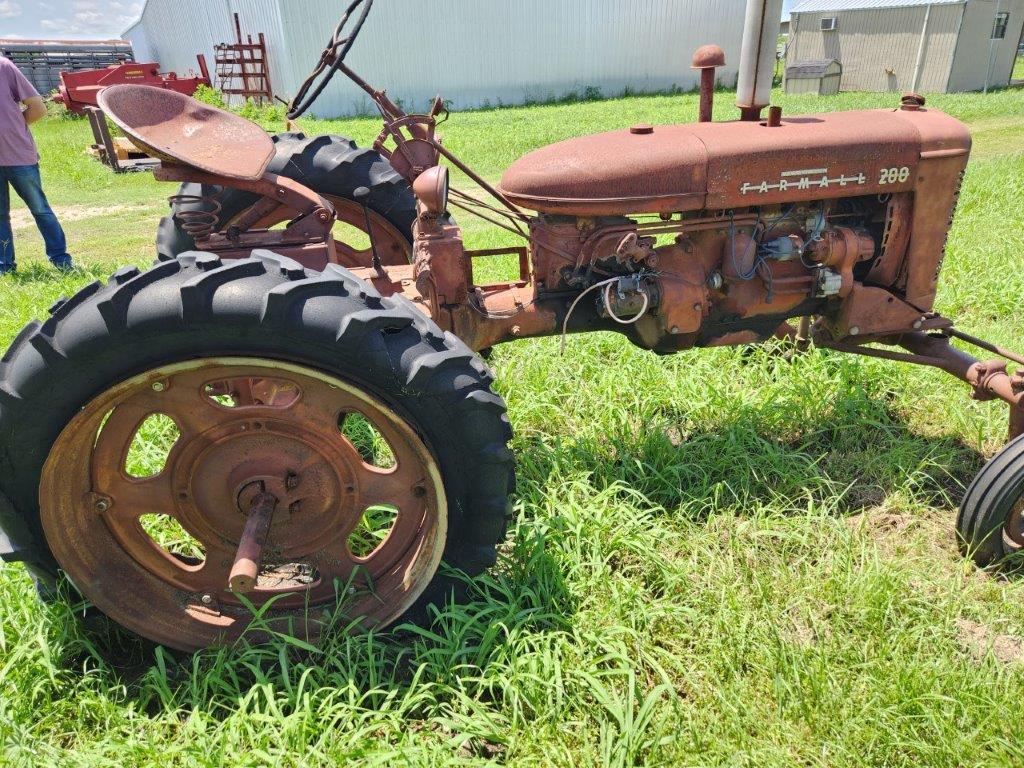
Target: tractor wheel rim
{"x":1013,"y":528}
{"x":244,"y":426}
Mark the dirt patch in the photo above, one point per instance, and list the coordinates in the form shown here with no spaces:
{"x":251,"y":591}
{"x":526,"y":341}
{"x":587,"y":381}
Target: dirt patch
{"x":807,"y":627}
{"x":877,"y":523}
{"x":21,"y":218}
{"x":978,"y":640}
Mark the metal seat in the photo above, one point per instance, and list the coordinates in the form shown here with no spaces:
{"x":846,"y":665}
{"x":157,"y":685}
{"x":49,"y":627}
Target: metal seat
{"x":178,"y":129}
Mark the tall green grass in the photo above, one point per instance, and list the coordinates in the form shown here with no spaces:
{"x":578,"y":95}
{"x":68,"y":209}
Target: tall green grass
{"x":717,"y":558}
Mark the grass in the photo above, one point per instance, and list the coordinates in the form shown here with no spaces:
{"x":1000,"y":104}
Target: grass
{"x":718,"y":558}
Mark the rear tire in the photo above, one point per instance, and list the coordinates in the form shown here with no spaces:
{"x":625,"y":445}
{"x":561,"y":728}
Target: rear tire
{"x":990,"y":524}
{"x":265,"y":307}
{"x":330,"y":165}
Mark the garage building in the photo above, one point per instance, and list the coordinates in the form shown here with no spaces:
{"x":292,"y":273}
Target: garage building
{"x":474,"y":53}
{"x":910,"y":45}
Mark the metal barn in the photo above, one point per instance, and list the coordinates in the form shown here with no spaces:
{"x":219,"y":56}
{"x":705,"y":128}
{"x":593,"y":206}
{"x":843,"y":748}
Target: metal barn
{"x":911,"y":45}
{"x":474,"y":52}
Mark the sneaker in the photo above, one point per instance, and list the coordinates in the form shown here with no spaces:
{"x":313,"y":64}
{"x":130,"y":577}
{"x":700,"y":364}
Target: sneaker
{"x":7,"y":269}
{"x":64,"y":265}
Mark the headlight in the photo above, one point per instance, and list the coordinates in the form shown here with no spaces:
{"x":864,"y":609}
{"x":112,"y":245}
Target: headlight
{"x":431,"y":189}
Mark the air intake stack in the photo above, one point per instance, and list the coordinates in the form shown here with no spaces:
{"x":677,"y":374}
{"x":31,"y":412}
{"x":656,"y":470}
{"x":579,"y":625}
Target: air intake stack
{"x":757,"y":57}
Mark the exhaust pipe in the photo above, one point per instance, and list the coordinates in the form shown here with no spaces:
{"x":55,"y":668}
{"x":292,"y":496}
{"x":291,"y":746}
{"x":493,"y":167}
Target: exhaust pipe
{"x":757,"y":57}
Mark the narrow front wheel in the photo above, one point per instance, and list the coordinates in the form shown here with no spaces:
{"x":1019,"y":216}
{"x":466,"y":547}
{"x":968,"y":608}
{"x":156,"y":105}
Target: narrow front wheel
{"x":990,"y":524}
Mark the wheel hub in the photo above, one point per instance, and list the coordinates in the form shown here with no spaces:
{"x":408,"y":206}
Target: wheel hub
{"x":315,"y":484}
{"x":268,"y":486}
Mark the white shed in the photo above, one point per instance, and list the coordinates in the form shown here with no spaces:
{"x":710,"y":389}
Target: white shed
{"x":911,"y":45}
{"x":473,"y":52}
{"x":820,"y":76}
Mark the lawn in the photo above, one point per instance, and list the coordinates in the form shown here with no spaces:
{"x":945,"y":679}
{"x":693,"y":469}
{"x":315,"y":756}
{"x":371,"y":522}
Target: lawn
{"x":717,"y":558}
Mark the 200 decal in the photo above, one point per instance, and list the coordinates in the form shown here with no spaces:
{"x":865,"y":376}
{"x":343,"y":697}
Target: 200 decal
{"x":894,"y":175}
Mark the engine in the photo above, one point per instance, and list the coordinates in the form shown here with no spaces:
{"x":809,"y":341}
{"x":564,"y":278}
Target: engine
{"x":717,"y":233}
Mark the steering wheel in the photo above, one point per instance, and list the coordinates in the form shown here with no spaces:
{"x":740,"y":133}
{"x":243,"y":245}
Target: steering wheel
{"x":334,"y":54}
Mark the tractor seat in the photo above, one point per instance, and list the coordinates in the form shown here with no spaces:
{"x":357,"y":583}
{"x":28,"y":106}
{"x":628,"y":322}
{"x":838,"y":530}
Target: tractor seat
{"x":178,"y":129}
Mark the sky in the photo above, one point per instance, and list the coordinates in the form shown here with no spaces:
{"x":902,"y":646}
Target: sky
{"x":81,"y":19}
{"x":67,"y":19}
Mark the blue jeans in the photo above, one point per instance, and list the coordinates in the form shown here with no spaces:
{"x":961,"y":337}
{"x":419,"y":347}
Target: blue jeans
{"x":27,"y":183}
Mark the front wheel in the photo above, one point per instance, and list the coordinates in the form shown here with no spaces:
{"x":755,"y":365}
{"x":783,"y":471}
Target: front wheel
{"x":193,"y":442}
{"x":990,"y":524}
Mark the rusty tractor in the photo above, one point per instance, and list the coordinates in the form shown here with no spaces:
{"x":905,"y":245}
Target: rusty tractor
{"x":263,"y":338}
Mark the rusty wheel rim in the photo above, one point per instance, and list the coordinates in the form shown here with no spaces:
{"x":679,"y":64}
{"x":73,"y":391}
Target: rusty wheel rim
{"x":1013,"y":528}
{"x":245,"y":427}
{"x":392,"y":246}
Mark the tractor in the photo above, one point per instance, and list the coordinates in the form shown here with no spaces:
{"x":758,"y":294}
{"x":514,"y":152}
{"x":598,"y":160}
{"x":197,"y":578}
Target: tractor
{"x":314,"y":381}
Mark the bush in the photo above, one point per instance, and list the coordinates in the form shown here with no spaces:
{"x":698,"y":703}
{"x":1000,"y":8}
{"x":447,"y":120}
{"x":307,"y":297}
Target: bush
{"x":261,"y":113}
{"x":211,"y":96}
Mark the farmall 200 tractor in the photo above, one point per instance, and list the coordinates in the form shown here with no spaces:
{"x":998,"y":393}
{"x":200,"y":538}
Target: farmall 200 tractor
{"x":267,"y":341}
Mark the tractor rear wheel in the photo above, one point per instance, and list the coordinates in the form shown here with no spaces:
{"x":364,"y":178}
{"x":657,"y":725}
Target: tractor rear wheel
{"x":334,"y":167}
{"x":206,"y":438}
{"x":990,"y":524}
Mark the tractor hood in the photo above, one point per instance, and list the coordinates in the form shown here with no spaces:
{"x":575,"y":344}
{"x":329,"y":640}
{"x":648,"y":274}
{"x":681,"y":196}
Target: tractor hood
{"x":673,"y":168}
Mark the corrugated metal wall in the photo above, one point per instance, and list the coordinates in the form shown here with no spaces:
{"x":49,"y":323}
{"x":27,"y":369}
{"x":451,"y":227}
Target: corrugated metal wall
{"x":474,"y":52}
{"x":479,"y":52}
{"x":173,"y":32}
{"x":972,"y":60}
{"x":878,"y":47}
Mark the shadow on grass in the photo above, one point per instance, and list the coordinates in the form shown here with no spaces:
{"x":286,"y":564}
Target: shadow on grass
{"x":523,"y":596}
{"x":852,"y":456}
{"x":33,"y":272}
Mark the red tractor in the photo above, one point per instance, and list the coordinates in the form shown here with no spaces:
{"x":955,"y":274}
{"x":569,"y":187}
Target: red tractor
{"x":263,"y":339}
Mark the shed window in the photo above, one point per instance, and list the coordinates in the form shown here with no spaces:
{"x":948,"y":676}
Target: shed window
{"x":828,"y":24}
{"x":999,"y":26}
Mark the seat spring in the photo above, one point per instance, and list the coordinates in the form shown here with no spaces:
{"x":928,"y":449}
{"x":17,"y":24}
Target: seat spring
{"x":197,"y":222}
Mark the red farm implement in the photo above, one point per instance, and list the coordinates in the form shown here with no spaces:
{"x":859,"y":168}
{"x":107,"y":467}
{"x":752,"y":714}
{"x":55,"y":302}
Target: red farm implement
{"x":79,"y":90}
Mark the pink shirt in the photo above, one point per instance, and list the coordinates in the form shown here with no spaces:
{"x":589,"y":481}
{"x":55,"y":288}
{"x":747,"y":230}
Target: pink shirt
{"x":16,"y":144}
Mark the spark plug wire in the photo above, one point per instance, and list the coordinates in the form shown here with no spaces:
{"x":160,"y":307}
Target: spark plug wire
{"x":602,"y":284}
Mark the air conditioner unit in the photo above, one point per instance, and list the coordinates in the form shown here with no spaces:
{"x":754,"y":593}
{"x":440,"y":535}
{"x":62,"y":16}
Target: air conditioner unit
{"x":828,"y":24}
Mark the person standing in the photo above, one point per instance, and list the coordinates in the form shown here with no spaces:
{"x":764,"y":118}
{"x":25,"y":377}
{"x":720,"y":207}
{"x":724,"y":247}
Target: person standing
{"x":21,"y":105}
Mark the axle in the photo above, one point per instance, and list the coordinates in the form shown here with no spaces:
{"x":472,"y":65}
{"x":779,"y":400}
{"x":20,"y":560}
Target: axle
{"x":250,"y":547}
{"x":988,"y":378}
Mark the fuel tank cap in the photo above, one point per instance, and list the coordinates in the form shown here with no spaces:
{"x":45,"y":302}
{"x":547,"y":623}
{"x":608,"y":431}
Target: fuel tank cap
{"x":912,"y":102}
{"x":642,"y":129}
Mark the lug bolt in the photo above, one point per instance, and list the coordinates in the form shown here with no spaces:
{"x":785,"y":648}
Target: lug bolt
{"x":674,"y":329}
{"x":854,"y":330}
{"x":102,"y":505}
{"x":159,"y":386}
{"x":917,"y":324}
{"x":206,"y":599}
